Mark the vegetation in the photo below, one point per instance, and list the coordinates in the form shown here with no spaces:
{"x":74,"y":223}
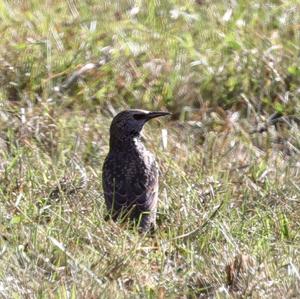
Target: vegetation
{"x":229,"y":216}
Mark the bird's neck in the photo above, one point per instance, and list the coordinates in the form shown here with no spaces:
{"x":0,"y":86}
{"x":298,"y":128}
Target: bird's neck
{"x":132,"y":144}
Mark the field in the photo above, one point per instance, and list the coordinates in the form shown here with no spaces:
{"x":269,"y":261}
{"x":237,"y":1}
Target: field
{"x":229,"y":210}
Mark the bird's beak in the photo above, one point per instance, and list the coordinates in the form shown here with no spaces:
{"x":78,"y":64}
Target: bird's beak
{"x":157,"y":114}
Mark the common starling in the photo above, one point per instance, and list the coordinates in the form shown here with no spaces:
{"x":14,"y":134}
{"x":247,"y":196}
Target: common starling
{"x":130,"y":172}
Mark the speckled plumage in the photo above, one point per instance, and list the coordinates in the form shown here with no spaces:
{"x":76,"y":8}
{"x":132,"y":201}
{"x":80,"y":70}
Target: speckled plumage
{"x":130,"y":172}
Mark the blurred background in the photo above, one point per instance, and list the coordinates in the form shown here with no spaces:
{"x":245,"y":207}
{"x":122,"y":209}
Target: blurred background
{"x":186,"y":56}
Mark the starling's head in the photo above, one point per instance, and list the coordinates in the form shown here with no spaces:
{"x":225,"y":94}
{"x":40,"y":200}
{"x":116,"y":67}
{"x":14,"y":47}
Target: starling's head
{"x":128,"y":124}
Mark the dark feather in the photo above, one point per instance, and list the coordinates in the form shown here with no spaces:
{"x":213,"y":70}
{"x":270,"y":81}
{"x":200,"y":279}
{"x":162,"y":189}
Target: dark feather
{"x":130,"y":172}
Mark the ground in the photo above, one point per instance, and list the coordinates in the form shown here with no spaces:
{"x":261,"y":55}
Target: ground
{"x":228,"y":216}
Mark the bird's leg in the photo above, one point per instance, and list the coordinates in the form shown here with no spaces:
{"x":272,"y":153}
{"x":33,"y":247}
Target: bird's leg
{"x":147,"y":222}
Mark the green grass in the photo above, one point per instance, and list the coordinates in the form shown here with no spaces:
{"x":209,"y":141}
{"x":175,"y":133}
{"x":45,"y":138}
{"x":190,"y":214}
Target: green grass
{"x":229,"y":217}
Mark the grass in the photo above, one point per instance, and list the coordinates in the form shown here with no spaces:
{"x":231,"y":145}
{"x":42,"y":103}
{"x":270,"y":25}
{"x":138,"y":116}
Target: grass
{"x":229,"y":184}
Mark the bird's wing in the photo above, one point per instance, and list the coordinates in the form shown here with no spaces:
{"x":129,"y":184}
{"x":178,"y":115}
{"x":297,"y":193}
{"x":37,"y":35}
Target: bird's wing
{"x":131,"y":186}
{"x":114,"y":192}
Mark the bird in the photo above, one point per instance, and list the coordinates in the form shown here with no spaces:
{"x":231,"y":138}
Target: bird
{"x":130,"y":172}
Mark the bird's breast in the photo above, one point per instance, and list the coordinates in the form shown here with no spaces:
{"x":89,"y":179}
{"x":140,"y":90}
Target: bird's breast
{"x":131,"y":168}
{"x":130,"y":178}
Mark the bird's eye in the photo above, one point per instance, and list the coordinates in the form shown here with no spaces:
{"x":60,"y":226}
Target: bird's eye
{"x":138,"y":116}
